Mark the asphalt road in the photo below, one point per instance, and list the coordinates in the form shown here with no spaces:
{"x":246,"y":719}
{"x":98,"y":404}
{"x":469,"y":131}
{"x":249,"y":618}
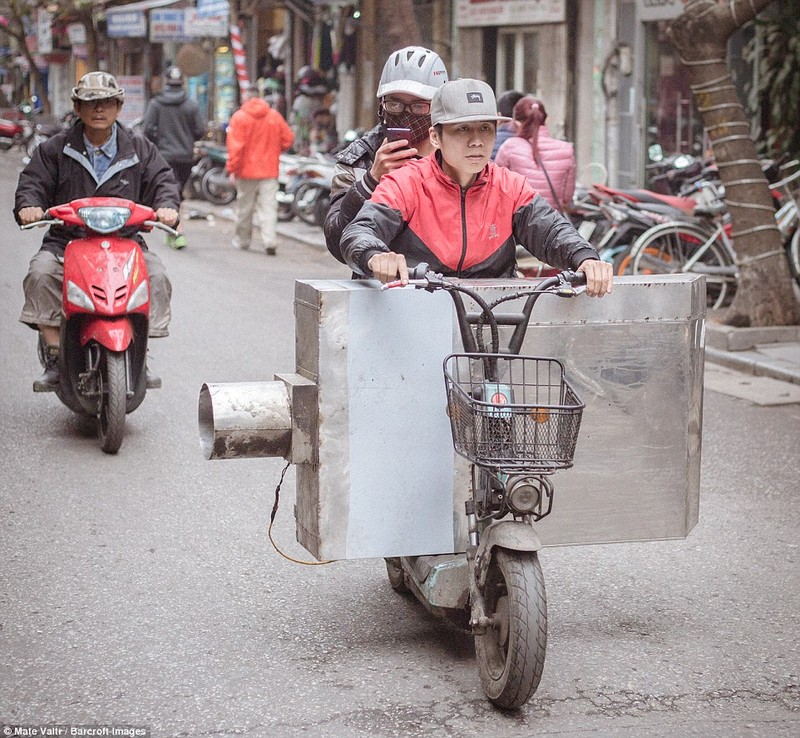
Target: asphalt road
{"x":141,"y":589}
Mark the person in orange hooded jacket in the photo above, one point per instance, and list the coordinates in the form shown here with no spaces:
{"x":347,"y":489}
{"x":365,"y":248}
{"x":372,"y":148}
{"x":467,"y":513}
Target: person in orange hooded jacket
{"x":256,"y":136}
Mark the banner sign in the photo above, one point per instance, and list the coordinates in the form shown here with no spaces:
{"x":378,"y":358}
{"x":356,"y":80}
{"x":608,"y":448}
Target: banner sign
{"x":130,"y":24}
{"x":184,"y":24}
{"x":509,"y":12}
{"x":44,"y":31}
{"x":213,"y":9}
{"x":167,"y":25}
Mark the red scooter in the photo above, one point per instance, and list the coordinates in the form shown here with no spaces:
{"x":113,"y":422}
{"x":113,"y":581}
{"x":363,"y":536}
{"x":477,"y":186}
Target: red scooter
{"x":105,"y":313}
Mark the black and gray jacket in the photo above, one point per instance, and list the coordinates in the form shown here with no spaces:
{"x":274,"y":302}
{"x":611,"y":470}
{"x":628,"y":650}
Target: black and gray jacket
{"x":352,"y":186}
{"x":60,"y":171}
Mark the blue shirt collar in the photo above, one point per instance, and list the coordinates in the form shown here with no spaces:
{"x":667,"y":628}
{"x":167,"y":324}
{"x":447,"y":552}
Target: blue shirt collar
{"x":109,"y":148}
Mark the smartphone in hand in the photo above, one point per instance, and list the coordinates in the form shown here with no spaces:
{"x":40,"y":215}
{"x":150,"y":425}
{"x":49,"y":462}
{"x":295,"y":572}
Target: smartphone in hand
{"x":398,"y":134}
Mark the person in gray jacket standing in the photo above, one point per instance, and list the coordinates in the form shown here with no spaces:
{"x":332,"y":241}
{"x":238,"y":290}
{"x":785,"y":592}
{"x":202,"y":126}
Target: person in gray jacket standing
{"x":173,"y":123}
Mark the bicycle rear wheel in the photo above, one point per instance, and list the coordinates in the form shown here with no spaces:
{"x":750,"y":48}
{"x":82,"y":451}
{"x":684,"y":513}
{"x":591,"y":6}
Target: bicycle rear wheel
{"x":676,"y":248}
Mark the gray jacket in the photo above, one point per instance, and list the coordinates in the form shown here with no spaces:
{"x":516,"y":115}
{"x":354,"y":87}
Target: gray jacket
{"x":173,"y":123}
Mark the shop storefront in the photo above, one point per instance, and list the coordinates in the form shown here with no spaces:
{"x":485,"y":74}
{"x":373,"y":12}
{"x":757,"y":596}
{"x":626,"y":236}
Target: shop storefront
{"x":524,"y":47}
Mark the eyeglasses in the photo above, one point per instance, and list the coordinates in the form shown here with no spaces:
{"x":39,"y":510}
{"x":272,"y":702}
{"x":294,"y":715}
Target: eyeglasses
{"x":103,"y":102}
{"x":417,"y":108}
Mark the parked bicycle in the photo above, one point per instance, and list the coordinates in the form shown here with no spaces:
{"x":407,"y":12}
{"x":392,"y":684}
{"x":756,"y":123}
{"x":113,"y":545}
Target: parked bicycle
{"x":702,"y":244}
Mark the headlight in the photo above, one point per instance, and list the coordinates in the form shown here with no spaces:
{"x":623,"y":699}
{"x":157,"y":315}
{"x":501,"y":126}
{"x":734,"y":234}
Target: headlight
{"x":139,"y":297}
{"x":105,"y":219}
{"x":78,"y":297}
{"x":523,"y":495}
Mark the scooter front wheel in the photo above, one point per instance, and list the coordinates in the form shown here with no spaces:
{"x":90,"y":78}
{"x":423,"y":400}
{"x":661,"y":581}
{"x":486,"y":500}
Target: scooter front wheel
{"x":510,"y":653}
{"x":217,"y":188}
{"x":113,"y":392}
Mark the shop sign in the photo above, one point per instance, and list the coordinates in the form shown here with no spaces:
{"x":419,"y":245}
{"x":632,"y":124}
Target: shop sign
{"x":76,"y":33}
{"x":130,"y":24}
{"x":655,"y":10}
{"x":199,"y":26}
{"x":134,"y":98}
{"x":213,"y":9}
{"x":44,"y":31}
{"x":509,"y":12}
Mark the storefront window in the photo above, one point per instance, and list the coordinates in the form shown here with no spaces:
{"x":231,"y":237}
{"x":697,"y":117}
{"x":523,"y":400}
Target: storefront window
{"x":518,"y":60}
{"x":672,"y":124}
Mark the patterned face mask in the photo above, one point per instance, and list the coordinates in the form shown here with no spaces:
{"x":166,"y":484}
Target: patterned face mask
{"x":419,"y":124}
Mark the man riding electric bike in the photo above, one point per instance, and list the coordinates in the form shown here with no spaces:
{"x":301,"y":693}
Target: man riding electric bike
{"x":96,"y":157}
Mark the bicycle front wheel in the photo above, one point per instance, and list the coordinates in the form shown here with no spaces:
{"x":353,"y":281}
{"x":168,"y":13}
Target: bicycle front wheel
{"x":793,"y":255}
{"x":677,"y":248}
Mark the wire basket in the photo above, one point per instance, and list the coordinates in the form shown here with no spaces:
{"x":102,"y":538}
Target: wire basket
{"x":512,"y":412}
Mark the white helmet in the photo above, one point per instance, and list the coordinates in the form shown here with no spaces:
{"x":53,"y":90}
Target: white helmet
{"x":415,"y":70}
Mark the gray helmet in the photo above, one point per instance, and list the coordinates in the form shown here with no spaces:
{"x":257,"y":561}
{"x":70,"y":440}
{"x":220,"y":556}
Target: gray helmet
{"x":174,"y":77}
{"x":97,"y":86}
{"x":413,"y":70}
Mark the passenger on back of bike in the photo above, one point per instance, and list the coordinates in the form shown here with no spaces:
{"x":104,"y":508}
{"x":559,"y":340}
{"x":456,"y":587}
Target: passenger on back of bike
{"x":409,"y":79}
{"x":96,"y":157}
{"x":460,"y":212}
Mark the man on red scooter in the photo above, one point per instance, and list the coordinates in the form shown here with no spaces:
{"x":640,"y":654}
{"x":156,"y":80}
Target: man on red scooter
{"x":96,"y":157}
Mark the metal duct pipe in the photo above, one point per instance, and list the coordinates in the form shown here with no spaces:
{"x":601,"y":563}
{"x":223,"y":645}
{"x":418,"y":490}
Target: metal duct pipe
{"x":245,"y":420}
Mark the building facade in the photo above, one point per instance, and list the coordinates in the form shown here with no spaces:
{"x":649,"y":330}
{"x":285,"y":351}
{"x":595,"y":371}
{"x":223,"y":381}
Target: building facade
{"x":610,"y":80}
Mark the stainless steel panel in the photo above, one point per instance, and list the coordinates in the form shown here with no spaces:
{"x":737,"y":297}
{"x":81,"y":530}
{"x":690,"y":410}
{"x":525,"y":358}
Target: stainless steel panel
{"x":388,"y":483}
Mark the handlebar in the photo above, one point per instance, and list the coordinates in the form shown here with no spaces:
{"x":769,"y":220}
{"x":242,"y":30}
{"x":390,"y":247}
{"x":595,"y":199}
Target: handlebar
{"x":41,"y":223}
{"x":562,"y":285}
{"x":422,"y":277}
{"x":150,"y":224}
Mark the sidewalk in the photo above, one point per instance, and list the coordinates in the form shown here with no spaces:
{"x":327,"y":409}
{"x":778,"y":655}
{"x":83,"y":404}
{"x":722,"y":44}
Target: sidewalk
{"x":761,"y":352}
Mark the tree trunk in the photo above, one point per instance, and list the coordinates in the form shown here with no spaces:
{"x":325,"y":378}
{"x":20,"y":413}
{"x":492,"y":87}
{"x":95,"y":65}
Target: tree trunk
{"x":397,"y":27}
{"x":86,"y":18}
{"x":764,"y":294}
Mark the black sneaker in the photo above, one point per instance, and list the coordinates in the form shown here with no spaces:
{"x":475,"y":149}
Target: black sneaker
{"x":50,"y":379}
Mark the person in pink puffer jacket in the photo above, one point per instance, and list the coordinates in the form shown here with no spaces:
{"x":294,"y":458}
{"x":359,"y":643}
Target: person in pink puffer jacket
{"x":538,"y":156}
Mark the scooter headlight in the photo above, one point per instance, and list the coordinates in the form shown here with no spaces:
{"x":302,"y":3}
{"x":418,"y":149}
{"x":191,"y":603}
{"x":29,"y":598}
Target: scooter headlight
{"x":523,"y":495}
{"x":104,"y":219}
{"x":78,"y":297}
{"x":139,"y":297}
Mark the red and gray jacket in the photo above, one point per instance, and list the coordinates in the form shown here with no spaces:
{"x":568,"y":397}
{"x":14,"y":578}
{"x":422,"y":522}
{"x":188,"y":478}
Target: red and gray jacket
{"x":418,"y":211}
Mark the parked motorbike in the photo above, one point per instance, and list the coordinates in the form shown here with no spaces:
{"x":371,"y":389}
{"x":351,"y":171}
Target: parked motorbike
{"x":14,"y":129}
{"x":288,"y":168}
{"x":208,"y":179}
{"x":313,"y":196}
{"x":304,"y":188}
{"x":105,"y":313}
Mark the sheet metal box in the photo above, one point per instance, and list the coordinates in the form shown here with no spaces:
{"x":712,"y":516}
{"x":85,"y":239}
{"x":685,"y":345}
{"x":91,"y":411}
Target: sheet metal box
{"x":385,"y":480}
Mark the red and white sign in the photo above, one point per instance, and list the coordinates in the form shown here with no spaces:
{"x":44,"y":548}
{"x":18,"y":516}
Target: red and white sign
{"x":509,"y":12}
